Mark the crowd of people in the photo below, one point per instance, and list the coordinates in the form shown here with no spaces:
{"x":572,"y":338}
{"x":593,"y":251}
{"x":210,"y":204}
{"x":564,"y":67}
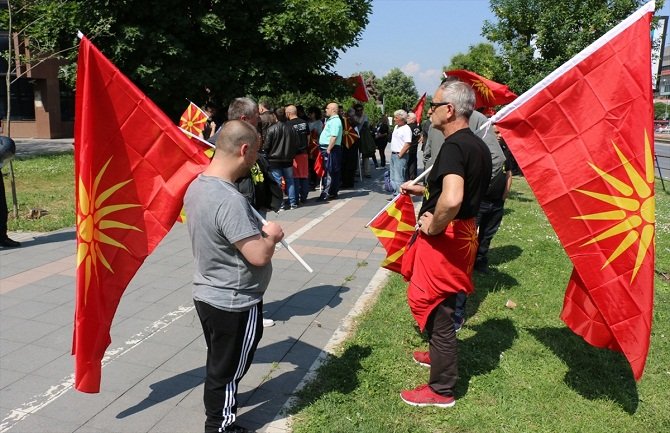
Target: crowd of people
{"x":260,"y":148}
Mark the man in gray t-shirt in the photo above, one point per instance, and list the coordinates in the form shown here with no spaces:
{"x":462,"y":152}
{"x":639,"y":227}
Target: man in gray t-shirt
{"x":232,"y":255}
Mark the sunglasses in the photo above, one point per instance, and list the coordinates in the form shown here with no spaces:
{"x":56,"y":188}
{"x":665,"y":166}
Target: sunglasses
{"x":434,"y":105}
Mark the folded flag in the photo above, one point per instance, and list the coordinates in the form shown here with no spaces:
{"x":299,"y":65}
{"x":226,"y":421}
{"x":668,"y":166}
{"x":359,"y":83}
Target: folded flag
{"x":394,"y":228}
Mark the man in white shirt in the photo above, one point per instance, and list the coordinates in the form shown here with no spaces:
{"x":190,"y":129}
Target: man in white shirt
{"x":401,"y":140}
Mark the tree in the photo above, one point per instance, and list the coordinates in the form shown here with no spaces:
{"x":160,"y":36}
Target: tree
{"x":209,"y":49}
{"x":398,"y":91}
{"x":483,"y":60}
{"x":537,"y":36}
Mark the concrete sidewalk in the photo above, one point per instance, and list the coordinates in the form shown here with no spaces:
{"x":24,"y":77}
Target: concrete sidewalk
{"x":152,"y":380}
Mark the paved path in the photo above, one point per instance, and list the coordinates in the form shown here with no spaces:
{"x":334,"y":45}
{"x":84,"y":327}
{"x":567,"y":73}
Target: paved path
{"x":152,"y":380}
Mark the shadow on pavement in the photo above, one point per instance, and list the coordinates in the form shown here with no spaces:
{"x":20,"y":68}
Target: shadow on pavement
{"x":51,"y":237}
{"x":305,"y":302}
{"x":594,"y":373}
{"x":166,"y":389}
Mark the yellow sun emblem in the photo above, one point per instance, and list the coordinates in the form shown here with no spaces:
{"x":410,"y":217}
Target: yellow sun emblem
{"x":469,"y":235}
{"x":635,"y":208}
{"x":483,"y":89}
{"x":91,"y":223}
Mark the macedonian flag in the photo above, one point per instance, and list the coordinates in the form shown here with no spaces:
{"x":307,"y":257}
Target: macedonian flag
{"x":132,"y":168}
{"x":584,"y":139}
{"x":394,"y":227}
{"x":488,"y":93}
{"x":349,"y":134}
{"x":193,"y":120}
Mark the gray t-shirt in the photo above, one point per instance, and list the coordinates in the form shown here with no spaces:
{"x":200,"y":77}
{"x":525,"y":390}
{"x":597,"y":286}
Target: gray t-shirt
{"x":217,"y":216}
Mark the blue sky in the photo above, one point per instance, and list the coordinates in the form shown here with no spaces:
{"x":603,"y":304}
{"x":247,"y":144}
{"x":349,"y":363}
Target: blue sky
{"x":419,"y":37}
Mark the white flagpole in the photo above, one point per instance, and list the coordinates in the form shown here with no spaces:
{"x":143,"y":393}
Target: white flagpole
{"x":260,"y":218}
{"x":415,"y":181}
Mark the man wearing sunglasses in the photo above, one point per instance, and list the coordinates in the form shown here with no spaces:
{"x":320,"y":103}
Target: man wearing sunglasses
{"x":439,"y":262}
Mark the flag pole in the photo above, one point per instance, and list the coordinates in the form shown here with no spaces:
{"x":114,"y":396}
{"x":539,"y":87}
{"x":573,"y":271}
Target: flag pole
{"x":415,"y":181}
{"x":290,"y":249}
{"x":285,"y":244}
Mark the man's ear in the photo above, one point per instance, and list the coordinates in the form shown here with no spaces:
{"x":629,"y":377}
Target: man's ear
{"x":244,"y":148}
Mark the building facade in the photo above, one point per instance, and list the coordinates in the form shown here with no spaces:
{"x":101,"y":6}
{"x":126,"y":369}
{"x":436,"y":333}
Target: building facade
{"x":40,"y":106}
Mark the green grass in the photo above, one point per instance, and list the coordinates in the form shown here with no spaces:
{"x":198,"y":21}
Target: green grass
{"x":42,"y":182}
{"x":521,"y":370}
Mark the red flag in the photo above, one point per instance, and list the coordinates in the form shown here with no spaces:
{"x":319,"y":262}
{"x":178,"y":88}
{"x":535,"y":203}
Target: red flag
{"x":418,"y":109}
{"x":584,"y":139}
{"x":394,"y":228}
{"x":132,"y":168}
{"x":349,"y":134}
{"x":360,"y":89}
{"x":193,"y":120}
{"x":319,"y":169}
{"x":488,"y":93}
{"x":313,"y":146}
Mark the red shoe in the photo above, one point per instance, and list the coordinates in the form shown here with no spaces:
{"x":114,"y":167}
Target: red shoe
{"x":425,"y":396}
{"x":421,"y":358}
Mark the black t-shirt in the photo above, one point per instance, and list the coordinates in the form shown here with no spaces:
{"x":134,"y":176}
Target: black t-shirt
{"x":466,"y":155}
{"x":302,"y":128}
{"x":416,"y":133}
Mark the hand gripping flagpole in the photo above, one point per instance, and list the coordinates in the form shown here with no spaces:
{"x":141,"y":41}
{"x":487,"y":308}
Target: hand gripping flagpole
{"x":414,"y":182}
{"x":290,"y":249}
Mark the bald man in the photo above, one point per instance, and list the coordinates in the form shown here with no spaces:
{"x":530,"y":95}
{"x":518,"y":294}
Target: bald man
{"x":232,"y":255}
{"x":330,"y":144}
{"x":300,"y":160}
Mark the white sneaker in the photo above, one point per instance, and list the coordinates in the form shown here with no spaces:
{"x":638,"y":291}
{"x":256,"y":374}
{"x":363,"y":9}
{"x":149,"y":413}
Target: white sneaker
{"x":268,"y":322}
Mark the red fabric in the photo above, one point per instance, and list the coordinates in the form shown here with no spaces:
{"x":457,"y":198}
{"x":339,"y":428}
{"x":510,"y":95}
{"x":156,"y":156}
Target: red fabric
{"x":394,"y":227}
{"x":319,"y":168}
{"x":193,"y":120}
{"x":300,"y":166}
{"x":488,"y":93}
{"x":585,"y":145}
{"x":360,"y":90}
{"x":442,"y":266}
{"x":132,"y":168}
{"x":349,"y":134}
{"x":313,"y":145}
{"x":418,"y":109}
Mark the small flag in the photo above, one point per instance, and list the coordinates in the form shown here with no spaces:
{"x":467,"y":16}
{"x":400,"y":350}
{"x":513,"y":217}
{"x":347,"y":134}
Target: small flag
{"x":360,"y":89}
{"x":488,"y":92}
{"x":319,"y":169}
{"x":194,"y":119}
{"x":349,"y":134}
{"x":394,"y":228}
{"x":418,"y":109}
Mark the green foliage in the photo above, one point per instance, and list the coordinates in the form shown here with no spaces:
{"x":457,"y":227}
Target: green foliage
{"x":537,"y":36}
{"x":661,"y":110}
{"x":208,"y":50}
{"x":518,"y":368}
{"x":398,"y":91}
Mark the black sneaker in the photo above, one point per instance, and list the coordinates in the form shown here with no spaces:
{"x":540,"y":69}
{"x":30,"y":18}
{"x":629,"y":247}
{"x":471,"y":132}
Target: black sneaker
{"x":9,"y":243}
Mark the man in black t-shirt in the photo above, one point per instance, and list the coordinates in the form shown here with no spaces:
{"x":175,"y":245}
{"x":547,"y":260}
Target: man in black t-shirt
{"x":439,"y":262}
{"x":414,"y":148}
